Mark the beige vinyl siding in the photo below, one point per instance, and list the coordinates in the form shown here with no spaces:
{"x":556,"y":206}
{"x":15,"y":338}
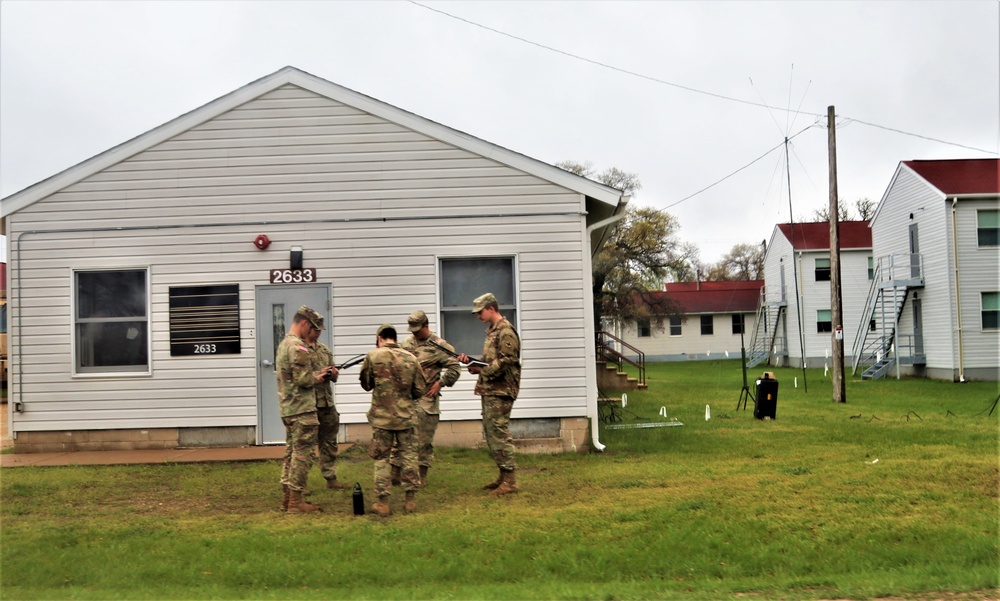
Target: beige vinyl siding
{"x":323,"y":175}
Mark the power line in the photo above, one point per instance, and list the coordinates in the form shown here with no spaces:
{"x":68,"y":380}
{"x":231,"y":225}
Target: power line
{"x":674,"y":204}
{"x":600,"y":64}
{"x":683,"y":87}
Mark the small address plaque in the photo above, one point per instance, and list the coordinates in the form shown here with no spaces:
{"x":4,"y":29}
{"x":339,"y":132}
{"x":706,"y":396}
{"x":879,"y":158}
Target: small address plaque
{"x":293,"y":276}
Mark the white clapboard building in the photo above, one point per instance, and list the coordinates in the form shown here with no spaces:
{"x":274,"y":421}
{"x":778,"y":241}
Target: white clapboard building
{"x":934,"y":306}
{"x":150,"y":285}
{"x":794,"y":313}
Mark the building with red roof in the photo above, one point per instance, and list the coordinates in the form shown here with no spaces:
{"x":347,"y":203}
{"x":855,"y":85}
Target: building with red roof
{"x":936,"y":239}
{"x":705,"y":322}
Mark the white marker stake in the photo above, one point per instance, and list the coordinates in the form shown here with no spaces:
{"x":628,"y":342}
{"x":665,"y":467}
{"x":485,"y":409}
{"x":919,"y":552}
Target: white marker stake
{"x":708,"y":413}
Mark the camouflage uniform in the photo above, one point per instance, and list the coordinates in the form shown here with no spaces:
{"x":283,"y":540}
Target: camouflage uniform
{"x":326,"y":411}
{"x":297,"y":403}
{"x":394,"y":378}
{"x":437,"y":366}
{"x":498,"y":385}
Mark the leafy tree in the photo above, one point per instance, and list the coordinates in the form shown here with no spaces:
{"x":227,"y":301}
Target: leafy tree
{"x":742,"y":262}
{"x":638,"y":257}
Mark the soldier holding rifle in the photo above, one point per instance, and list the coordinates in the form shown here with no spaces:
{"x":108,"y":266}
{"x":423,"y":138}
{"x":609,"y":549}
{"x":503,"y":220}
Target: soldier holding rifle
{"x":440,"y":367}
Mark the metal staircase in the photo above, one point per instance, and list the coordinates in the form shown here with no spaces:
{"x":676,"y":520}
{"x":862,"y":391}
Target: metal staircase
{"x":765,"y":341}
{"x":878,"y":344}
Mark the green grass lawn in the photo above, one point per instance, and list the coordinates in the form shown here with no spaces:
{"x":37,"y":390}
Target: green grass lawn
{"x":791,"y":508}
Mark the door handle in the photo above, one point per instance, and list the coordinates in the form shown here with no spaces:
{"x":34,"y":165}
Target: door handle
{"x":267,"y":363}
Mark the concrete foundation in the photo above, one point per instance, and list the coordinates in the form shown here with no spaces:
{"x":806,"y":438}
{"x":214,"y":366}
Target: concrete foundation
{"x":548,"y":435}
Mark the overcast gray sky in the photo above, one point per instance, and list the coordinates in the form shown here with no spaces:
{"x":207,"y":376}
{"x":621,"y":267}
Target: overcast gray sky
{"x":668,"y":90}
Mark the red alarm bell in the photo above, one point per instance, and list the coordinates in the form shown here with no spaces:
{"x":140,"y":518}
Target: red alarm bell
{"x":262,"y":241}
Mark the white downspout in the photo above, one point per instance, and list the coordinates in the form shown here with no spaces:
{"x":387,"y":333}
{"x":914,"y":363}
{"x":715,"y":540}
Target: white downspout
{"x":592,"y":401}
{"x":958,"y":289}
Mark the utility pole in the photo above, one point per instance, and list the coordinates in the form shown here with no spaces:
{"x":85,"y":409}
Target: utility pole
{"x":836,"y":304}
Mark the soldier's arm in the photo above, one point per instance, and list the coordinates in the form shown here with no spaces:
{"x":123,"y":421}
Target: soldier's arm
{"x":329,"y":365}
{"x":450,"y":368}
{"x":367,"y":375}
{"x":303,"y":374}
{"x":508,"y":354}
{"x":419,"y":386}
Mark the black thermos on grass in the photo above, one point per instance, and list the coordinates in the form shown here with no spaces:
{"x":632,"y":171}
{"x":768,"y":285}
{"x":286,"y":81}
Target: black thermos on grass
{"x":359,"y":499}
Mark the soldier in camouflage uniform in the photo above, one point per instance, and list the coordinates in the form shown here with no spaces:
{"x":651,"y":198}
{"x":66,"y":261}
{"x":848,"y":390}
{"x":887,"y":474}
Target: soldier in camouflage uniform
{"x":440,"y":369}
{"x":395,"y":380}
{"x":326,"y":411}
{"x":498,"y":385}
{"x":297,"y":382}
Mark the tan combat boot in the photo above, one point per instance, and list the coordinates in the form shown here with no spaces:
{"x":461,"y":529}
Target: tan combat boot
{"x":381,"y":508}
{"x":496,"y":483}
{"x":395,"y":478}
{"x":336,"y":484}
{"x":508,"y":486}
{"x":423,"y":475}
{"x":296,"y":504}
{"x":411,"y":502}
{"x":284,"y":497}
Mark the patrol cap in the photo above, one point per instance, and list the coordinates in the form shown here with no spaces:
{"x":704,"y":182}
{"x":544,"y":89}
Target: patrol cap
{"x":382,"y":328}
{"x":481,"y":302}
{"x":417,"y":320}
{"x":314,"y":318}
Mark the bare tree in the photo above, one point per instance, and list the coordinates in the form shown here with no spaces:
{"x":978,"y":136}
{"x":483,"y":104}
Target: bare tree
{"x":865,"y":208}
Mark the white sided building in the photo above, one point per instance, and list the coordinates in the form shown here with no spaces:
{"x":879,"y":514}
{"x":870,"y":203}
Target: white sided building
{"x":710,"y":320}
{"x":934,"y":307}
{"x":794,"y":313}
{"x":150,"y":285}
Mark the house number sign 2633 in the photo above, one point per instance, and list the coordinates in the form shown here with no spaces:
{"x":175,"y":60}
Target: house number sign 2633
{"x":293,"y":276}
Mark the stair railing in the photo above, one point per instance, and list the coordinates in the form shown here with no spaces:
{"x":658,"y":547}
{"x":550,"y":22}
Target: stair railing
{"x":606,"y":350}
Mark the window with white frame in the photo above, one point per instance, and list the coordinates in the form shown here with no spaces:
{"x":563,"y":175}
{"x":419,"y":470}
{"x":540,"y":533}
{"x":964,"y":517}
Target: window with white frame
{"x":738,"y":323}
{"x":707,"y":325}
{"x":988,"y":227}
{"x":991,"y":310}
{"x":462,"y":281}
{"x":871,"y":268}
{"x":644,"y":328}
{"x":111,"y":321}
{"x":824,"y":320}
{"x":675,"y":325}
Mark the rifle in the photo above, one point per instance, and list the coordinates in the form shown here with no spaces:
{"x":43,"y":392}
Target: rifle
{"x":475,"y":362}
{"x":349,"y":363}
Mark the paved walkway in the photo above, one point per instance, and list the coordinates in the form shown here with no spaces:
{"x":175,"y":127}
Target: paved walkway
{"x":147,"y":456}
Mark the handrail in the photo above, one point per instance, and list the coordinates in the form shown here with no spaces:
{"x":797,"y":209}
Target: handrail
{"x":889,"y":270}
{"x":606,"y":351}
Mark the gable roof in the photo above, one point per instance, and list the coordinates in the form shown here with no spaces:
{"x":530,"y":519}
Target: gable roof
{"x":816,"y":235}
{"x":713,"y":297}
{"x":290,"y":75}
{"x":960,"y":177}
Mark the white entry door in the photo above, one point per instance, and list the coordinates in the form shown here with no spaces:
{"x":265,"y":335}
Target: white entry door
{"x":276,"y":306}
